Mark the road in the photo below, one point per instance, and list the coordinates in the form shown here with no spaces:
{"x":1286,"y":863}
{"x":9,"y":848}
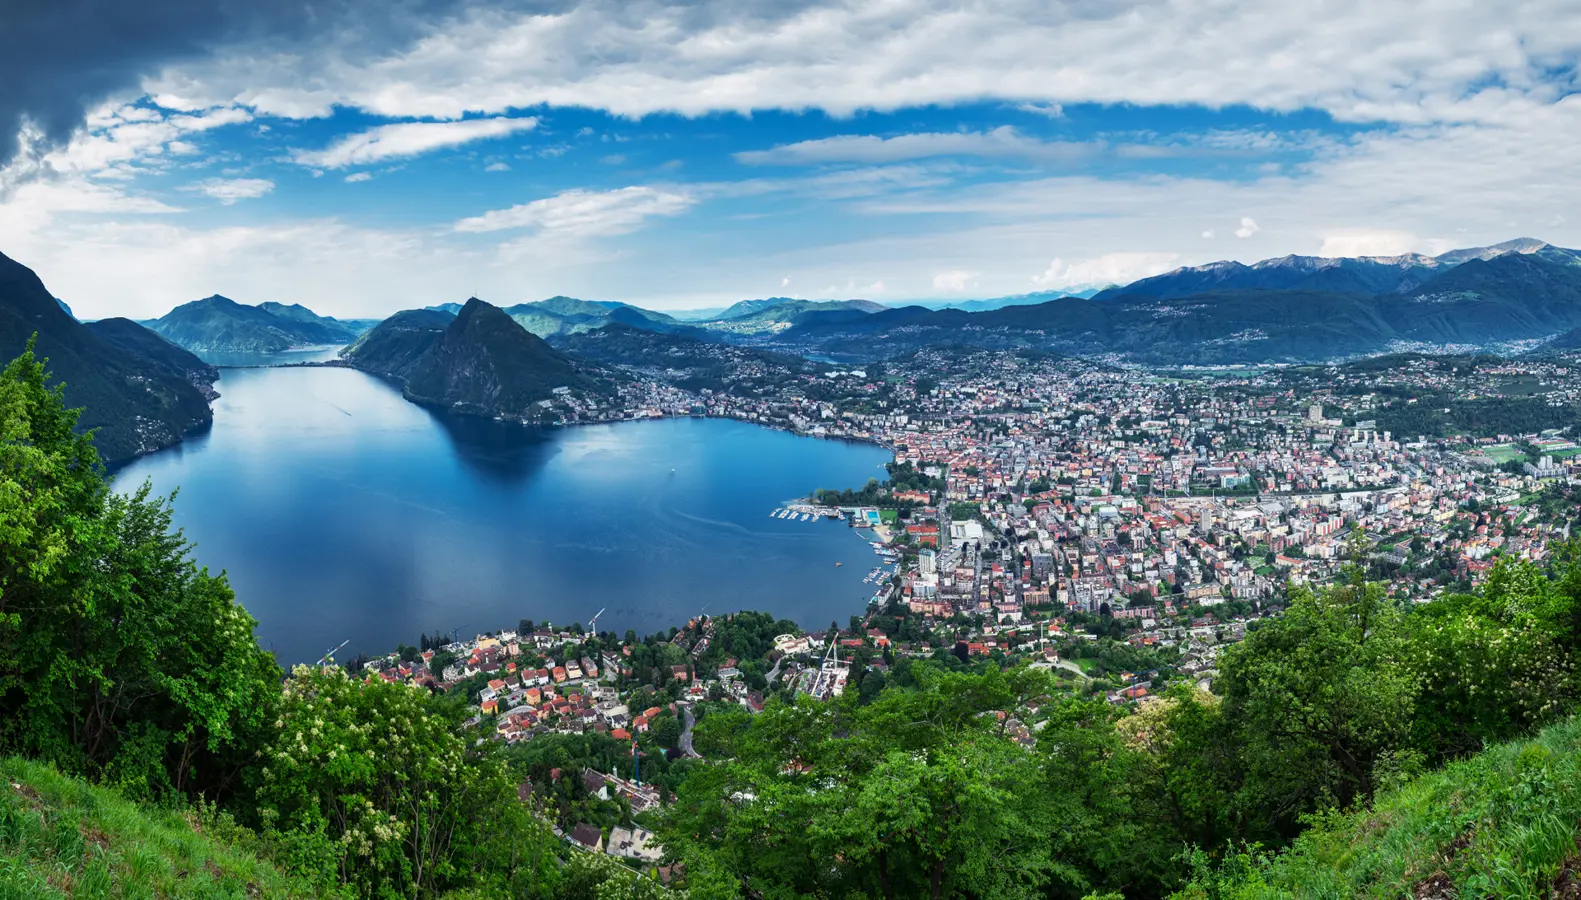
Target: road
{"x":687,"y":721}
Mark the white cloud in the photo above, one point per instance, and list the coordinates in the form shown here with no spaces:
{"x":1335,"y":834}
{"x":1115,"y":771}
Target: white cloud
{"x":642,"y":57}
{"x":1248,"y":228}
{"x":497,"y":167}
{"x":785,"y":282}
{"x":1208,"y":235}
{"x":117,"y":137}
{"x":408,"y":139}
{"x":230,"y":190}
{"x":581,"y":213}
{"x":955,"y":281}
{"x":1000,"y":142}
{"x":1371,"y":243}
{"x":355,"y":177}
{"x":1102,"y":271}
{"x":1044,"y":109}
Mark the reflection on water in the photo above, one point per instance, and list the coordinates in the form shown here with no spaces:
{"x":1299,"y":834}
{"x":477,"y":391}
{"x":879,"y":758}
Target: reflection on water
{"x":339,"y":510}
{"x":250,"y":360}
{"x":500,"y":451}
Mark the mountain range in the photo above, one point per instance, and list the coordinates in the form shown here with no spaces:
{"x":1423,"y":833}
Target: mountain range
{"x":137,"y":391}
{"x":1286,"y":310}
{"x":774,"y":314}
{"x":568,"y":315}
{"x":219,"y":324}
{"x":477,"y":361}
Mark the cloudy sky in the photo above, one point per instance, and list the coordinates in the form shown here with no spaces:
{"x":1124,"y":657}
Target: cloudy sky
{"x":362,"y":156}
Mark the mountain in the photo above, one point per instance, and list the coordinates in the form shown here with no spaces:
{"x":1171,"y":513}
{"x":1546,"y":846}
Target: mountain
{"x":743,"y":308}
{"x":568,"y":315}
{"x":1343,"y":275}
{"x":779,"y":313}
{"x":138,"y":403}
{"x":479,"y":362}
{"x":685,"y":361}
{"x":181,"y":363}
{"x":1273,"y":311}
{"x":394,"y":347}
{"x":220,"y":324}
{"x":1511,"y":297}
{"x":1013,"y":300}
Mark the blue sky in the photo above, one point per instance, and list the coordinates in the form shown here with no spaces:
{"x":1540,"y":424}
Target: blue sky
{"x":691,"y":156}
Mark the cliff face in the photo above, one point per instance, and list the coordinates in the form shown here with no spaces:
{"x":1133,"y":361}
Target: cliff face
{"x":138,"y":403}
{"x":480,"y":361}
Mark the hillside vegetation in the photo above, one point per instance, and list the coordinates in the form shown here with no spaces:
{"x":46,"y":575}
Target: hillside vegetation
{"x":62,"y":838}
{"x":1502,"y":823}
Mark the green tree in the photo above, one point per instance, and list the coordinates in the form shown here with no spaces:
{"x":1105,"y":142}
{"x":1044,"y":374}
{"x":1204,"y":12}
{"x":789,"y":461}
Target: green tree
{"x":119,"y":657}
{"x":1315,"y":696}
{"x":364,"y":780}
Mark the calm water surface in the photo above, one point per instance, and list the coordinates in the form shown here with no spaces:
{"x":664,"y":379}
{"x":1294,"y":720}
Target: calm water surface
{"x":341,"y":511}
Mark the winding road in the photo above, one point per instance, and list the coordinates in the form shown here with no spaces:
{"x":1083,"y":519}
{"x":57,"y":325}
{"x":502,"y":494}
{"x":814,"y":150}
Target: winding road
{"x":687,"y":721}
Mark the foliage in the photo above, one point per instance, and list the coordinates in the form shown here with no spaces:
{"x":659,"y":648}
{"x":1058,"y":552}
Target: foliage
{"x":365,"y":778}
{"x":60,"y":837}
{"x":119,"y":657}
{"x":920,"y":793}
{"x":1499,"y":824}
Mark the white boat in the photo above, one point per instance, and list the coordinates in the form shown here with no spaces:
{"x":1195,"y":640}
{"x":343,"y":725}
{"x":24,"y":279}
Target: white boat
{"x":806,"y":518}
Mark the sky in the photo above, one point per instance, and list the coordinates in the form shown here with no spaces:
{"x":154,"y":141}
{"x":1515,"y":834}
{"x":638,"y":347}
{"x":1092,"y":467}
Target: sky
{"x":364,"y":156}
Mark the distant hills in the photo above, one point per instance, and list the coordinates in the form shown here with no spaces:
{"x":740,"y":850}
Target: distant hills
{"x":686,"y":361}
{"x":1292,"y":309}
{"x":568,"y":315}
{"x":137,"y":390}
{"x":775,"y":314}
{"x":1506,"y":297}
{"x":478,"y":361}
{"x":219,"y":324}
{"x":1341,"y":275}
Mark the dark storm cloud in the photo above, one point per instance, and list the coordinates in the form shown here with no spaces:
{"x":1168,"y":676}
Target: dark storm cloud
{"x":59,"y":58}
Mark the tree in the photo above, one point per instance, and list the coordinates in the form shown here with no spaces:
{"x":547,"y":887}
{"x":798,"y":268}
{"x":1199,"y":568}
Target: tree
{"x":1315,"y":696}
{"x":366,"y":781}
{"x":119,"y":657}
{"x":917,"y":794}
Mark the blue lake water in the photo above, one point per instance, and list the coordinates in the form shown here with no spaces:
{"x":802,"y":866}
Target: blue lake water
{"x":341,"y":511}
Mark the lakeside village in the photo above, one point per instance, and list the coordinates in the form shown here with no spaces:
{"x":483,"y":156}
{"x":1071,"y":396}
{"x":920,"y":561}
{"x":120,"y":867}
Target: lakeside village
{"x":1116,"y":527}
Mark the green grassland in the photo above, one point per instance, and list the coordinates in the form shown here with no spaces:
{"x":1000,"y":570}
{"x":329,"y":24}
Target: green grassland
{"x":60,"y":837}
{"x":1503,"y":453}
{"x":1502,"y":823}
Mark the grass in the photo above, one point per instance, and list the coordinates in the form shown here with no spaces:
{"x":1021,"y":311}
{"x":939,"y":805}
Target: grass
{"x":1502,"y":824}
{"x":62,"y":838}
{"x":1503,"y":453}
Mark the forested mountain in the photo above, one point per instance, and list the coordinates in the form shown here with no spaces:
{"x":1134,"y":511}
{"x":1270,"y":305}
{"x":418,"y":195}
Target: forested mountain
{"x":1346,"y":275}
{"x":778,"y":313}
{"x":685,"y":361}
{"x":220,"y":324}
{"x":478,"y":361}
{"x":134,"y":338}
{"x":138,"y":394}
{"x":393,"y":347}
{"x":1270,"y":312}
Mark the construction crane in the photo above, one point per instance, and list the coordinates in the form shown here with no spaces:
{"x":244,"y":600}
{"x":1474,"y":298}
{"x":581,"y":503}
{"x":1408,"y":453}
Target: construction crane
{"x":329,"y":655}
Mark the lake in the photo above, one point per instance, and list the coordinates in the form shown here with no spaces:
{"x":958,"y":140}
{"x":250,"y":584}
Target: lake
{"x":339,"y":510}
